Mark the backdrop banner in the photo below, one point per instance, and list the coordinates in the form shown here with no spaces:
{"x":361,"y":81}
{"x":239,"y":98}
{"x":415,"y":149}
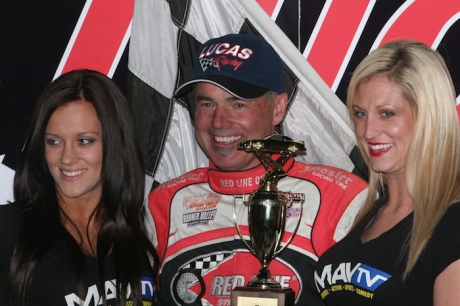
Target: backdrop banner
{"x":321,"y":42}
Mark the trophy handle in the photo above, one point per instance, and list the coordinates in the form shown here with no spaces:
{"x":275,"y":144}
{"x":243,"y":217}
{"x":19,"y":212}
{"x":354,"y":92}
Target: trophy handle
{"x":295,"y":230}
{"x":235,"y":196}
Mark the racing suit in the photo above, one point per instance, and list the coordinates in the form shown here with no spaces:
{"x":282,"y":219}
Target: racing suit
{"x":201,"y":253}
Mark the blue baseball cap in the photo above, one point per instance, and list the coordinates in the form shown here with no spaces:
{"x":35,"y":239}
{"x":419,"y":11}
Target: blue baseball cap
{"x":244,"y":65}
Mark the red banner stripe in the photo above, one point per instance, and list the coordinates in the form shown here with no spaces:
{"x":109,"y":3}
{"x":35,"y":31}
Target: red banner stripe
{"x":422,"y":20}
{"x":335,"y":37}
{"x":268,"y":5}
{"x":102,"y":33}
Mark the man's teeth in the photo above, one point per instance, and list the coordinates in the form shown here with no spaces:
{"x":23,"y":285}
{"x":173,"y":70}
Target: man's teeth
{"x":227,"y":139}
{"x":73,"y":173}
{"x":381,"y":146}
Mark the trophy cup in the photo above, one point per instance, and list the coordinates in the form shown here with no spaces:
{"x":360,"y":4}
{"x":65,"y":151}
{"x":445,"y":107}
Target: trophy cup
{"x":266,"y":220}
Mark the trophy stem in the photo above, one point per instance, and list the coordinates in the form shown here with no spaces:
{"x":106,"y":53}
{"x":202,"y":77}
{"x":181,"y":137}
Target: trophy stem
{"x":264,"y":280}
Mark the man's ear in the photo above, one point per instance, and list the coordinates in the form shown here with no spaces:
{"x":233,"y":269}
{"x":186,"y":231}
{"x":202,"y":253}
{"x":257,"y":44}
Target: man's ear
{"x":280,"y":105}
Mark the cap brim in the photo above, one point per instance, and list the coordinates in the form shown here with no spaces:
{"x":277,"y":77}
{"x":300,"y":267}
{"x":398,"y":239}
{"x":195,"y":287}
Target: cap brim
{"x":236,"y":88}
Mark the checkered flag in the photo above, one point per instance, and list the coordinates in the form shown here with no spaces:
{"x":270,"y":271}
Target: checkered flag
{"x":206,"y":62}
{"x":207,"y":262}
{"x":163,"y":122}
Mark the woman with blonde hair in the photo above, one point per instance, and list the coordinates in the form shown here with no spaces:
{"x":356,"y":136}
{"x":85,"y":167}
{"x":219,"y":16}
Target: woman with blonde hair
{"x":405,"y":247}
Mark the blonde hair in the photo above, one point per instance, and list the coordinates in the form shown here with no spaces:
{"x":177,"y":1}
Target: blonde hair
{"x":432,"y":161}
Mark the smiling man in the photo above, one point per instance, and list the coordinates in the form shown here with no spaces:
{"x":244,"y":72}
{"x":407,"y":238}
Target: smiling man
{"x":223,"y":120}
{"x":239,"y":95}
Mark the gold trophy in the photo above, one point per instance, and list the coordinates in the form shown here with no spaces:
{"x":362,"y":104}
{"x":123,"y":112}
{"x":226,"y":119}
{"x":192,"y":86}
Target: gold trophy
{"x":266,"y":219}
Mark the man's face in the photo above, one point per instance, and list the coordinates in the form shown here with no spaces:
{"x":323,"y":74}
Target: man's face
{"x":222,"y":121}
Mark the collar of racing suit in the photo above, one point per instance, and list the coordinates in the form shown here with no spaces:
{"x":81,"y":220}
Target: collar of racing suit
{"x":240,"y":182}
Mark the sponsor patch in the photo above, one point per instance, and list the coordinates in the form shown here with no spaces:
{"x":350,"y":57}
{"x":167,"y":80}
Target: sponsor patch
{"x":361,"y":279}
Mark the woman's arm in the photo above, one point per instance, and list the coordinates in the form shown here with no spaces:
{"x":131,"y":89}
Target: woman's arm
{"x":446,"y":290}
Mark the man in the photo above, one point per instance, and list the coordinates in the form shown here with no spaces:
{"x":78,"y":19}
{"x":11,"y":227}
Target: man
{"x":238,"y":87}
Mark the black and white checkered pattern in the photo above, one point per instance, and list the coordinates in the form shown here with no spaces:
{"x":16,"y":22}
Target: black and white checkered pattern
{"x":208,"y":262}
{"x":206,"y":62}
{"x":159,"y":64}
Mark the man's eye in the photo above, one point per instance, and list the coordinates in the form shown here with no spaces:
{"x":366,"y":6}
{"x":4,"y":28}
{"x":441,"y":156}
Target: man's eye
{"x":238,"y":105}
{"x":204,"y":104}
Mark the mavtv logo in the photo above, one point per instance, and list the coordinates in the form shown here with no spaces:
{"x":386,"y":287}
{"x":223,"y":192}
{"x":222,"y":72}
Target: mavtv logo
{"x":360,"y":275}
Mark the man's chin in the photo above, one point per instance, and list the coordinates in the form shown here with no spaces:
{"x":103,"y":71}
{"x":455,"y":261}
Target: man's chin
{"x":223,"y":152}
{"x":226,"y":163}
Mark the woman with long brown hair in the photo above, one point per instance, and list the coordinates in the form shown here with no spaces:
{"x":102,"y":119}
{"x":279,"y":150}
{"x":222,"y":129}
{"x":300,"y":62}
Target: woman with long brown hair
{"x":74,"y":234}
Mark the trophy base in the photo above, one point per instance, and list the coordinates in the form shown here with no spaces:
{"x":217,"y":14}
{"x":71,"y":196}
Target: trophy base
{"x":249,"y":296}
